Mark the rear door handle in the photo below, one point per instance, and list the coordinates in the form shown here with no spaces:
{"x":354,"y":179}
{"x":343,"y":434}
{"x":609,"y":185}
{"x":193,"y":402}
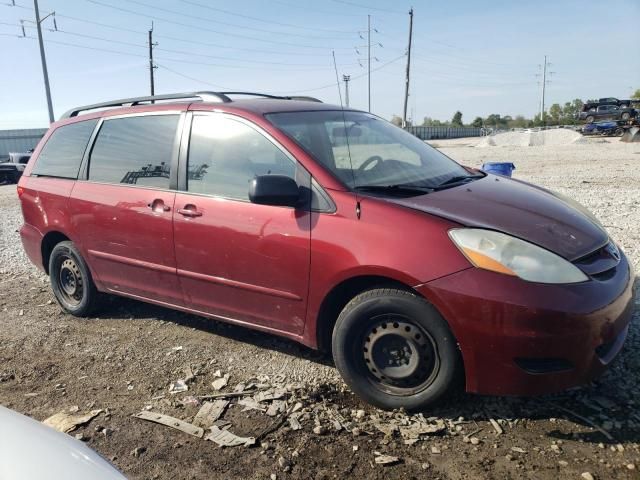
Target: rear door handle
{"x":189,"y":211}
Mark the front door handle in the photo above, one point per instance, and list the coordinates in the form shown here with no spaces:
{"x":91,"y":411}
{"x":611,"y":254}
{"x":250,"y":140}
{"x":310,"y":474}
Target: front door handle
{"x":158,"y":205}
{"x":189,"y":211}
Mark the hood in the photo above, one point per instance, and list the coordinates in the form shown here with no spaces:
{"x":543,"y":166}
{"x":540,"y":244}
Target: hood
{"x":516,"y":208}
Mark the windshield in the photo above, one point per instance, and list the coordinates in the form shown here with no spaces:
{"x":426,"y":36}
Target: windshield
{"x":364,"y":151}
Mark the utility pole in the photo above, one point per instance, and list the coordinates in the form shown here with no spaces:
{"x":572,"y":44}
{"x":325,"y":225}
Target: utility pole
{"x":544,"y":87}
{"x":151,"y":65}
{"x":406,"y":85}
{"x":346,"y":79}
{"x":544,"y":84}
{"x":369,"y":59}
{"x":43,"y":59}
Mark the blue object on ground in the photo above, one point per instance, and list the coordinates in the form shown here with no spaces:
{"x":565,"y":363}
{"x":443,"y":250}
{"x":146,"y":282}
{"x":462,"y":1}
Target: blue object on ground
{"x":500,"y":168}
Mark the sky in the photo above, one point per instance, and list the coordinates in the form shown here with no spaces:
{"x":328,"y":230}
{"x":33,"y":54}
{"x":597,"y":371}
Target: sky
{"x":476,"y":57}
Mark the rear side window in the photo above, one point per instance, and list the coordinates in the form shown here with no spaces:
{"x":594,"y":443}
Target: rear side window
{"x":62,"y":154}
{"x":134,"y":150}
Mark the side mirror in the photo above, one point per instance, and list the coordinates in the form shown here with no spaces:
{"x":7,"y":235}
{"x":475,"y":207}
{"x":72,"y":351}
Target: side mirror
{"x":277,"y":190}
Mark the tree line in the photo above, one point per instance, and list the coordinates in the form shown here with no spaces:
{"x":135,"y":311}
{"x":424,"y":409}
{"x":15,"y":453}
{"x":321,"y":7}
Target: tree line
{"x":557,"y":114}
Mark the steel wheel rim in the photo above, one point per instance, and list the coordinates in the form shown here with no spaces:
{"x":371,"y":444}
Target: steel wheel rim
{"x":400,"y":356}
{"x":70,"y":281}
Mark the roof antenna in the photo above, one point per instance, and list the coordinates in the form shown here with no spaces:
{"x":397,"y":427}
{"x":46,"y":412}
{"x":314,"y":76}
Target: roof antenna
{"x":346,"y":133}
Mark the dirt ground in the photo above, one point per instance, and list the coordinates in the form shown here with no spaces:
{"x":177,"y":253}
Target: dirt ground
{"x":126,"y":359}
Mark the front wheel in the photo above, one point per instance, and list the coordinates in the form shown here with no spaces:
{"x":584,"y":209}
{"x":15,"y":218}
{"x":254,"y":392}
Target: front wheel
{"x":71,"y":280}
{"x":625,"y":116}
{"x":395,"y":350}
{"x":590,"y":119}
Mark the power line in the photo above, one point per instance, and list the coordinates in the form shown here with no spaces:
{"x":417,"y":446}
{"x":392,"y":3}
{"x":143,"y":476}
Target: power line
{"x":234,"y":25}
{"x":368,"y":7}
{"x":191,"y":54}
{"x":313,"y":89}
{"x":262,"y":20}
{"x":197,"y":27}
{"x":177,"y":39}
{"x":306,"y":8}
{"x":193,"y":78}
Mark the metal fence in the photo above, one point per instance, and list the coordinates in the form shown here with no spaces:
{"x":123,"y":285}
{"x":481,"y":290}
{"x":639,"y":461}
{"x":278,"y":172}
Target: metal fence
{"x":18,"y":141}
{"x":433,"y":133}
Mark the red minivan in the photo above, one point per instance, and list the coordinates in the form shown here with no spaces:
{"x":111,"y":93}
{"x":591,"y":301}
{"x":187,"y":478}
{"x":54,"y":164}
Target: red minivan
{"x":333,"y":228}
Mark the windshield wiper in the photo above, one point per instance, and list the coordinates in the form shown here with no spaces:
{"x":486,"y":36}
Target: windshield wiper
{"x":454,"y":181}
{"x":401,"y":189}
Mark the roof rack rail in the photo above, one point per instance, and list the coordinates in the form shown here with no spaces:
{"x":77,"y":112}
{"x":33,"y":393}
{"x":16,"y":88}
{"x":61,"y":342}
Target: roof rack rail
{"x":275,"y":97}
{"x":219,"y":97}
{"x":204,"y":96}
{"x":305,"y":99}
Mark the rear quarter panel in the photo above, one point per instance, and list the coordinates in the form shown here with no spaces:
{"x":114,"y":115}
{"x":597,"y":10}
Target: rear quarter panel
{"x":44,"y":204}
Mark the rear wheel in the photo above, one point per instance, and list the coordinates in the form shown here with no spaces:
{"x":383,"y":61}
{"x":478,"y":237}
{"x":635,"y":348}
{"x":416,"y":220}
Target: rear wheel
{"x":71,"y":280}
{"x":395,"y":350}
{"x":618,"y":132}
{"x":590,"y":119}
{"x":625,"y":116}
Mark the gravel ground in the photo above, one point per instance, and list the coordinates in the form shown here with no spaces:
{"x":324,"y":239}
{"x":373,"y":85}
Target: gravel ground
{"x":125,"y":360}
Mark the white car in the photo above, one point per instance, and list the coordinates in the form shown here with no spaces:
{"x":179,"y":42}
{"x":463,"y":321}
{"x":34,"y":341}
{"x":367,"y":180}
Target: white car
{"x":30,"y":450}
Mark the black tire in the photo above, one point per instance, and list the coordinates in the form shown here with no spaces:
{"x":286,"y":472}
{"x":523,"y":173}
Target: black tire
{"x":383,"y":327}
{"x":71,"y":280}
{"x":625,"y":116}
{"x":618,"y":132}
{"x":590,"y":119}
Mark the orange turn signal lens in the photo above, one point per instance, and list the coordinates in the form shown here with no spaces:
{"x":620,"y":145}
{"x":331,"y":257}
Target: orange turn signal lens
{"x":481,"y":260}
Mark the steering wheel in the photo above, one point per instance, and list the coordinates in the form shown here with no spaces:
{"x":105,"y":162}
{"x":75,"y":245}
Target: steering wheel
{"x":375,"y":158}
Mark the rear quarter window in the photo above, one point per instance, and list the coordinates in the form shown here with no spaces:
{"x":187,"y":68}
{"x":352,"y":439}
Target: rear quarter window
{"x":62,"y":154}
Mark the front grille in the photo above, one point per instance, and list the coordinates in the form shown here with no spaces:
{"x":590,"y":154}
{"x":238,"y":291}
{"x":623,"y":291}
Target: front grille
{"x":601,"y":263}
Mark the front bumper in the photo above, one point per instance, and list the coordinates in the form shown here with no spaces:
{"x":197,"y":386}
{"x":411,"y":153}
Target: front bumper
{"x":523,"y":338}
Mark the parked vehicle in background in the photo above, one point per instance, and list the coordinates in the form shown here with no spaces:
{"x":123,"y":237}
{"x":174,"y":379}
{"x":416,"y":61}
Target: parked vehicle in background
{"x":11,"y":170}
{"x":603,"y":128}
{"x":335,"y":229}
{"x":30,"y":450}
{"x":591,"y":113}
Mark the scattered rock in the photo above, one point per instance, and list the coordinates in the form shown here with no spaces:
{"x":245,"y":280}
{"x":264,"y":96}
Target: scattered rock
{"x":385,"y":459}
{"x":177,"y":387}
{"x":587,"y":476}
{"x":496,"y":426}
{"x":220,"y":383}
{"x":138,"y":451}
{"x":283,"y":462}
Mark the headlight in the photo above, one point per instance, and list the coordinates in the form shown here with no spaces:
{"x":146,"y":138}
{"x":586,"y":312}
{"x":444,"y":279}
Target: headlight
{"x":503,"y":253}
